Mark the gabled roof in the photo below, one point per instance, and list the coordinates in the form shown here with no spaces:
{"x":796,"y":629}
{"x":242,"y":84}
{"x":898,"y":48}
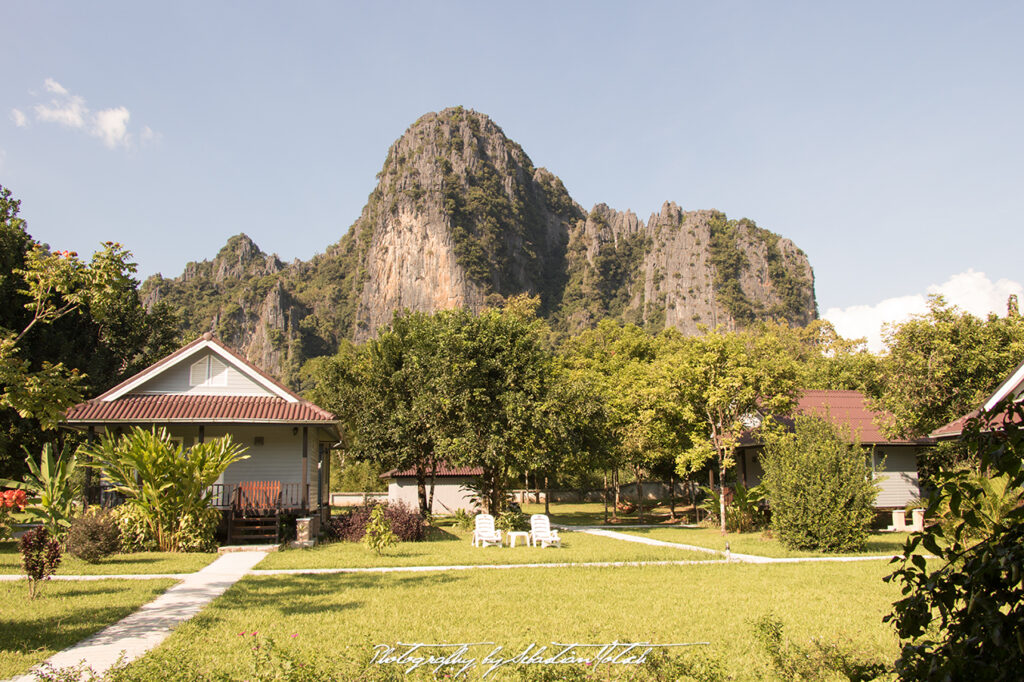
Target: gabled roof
{"x":123,"y":404}
{"x":443,"y":470}
{"x":1013,"y":386}
{"x":847,"y":409}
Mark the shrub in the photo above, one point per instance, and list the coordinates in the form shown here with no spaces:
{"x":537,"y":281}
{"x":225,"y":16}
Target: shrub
{"x":819,"y":661}
{"x":40,"y":557}
{"x":406,"y":523}
{"x":196,"y":530}
{"x":136,"y":533}
{"x":510,"y":520}
{"x":379,"y":535}
{"x":463,"y":519}
{"x":820,"y":488}
{"x":94,"y":535}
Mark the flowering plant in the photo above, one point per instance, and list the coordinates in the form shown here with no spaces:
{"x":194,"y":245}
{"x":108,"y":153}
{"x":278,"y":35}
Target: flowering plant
{"x":9,"y":501}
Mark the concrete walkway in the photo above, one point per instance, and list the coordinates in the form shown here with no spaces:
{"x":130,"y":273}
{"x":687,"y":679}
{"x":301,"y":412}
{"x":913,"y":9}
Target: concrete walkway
{"x":731,"y":556}
{"x":150,"y":625}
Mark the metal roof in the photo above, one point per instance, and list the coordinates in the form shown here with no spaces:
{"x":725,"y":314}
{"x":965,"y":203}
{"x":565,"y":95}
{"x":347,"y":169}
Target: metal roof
{"x":197,"y":408}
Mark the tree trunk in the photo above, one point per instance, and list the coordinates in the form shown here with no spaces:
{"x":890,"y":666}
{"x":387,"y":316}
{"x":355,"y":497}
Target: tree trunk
{"x":672,"y":495}
{"x":615,"y":484}
{"x":721,"y":490}
{"x":605,"y":496}
{"x":639,"y":492}
{"x":547,"y":497}
{"x":433,"y":478}
{"x":421,"y":488}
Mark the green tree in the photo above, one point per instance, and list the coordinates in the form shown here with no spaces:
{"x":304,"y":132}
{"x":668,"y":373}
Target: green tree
{"x":385,"y":393}
{"x":494,"y":381}
{"x":819,"y":485}
{"x":726,"y":381}
{"x":943,"y":364}
{"x":167,"y":484}
{"x":626,"y":368}
{"x":962,"y":613}
{"x":67,"y":327}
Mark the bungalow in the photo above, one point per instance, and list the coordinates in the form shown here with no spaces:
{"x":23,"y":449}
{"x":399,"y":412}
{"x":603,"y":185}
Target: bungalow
{"x":1012,"y":388}
{"x":893,"y":460}
{"x":206,"y":390}
{"x":449,"y":488}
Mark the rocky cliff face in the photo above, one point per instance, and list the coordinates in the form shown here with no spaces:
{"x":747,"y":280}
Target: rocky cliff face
{"x":461,"y":217}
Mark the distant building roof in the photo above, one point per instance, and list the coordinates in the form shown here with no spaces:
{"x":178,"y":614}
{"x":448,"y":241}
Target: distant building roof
{"x":1012,"y":387}
{"x":443,"y":469}
{"x":847,"y":409}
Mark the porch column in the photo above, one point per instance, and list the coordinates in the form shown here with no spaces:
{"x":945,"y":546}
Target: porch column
{"x":305,"y":468}
{"x":202,"y":433}
{"x":88,"y":470}
{"x":319,"y":475}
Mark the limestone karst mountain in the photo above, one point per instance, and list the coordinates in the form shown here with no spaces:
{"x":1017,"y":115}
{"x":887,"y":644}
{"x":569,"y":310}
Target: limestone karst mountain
{"x":461,"y":217}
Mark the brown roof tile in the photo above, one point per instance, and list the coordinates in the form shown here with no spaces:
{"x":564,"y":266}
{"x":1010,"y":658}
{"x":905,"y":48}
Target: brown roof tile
{"x":213,"y":408}
{"x":443,"y":469}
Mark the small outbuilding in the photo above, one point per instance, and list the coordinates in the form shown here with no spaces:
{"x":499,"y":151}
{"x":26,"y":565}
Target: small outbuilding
{"x":450,"y":491}
{"x":893,"y":460}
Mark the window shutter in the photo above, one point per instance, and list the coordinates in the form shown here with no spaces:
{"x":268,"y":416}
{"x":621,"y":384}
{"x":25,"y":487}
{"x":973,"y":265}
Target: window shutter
{"x":218,"y":372}
{"x":198,"y":372}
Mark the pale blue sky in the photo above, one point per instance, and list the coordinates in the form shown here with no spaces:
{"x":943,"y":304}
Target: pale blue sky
{"x":883,"y":138}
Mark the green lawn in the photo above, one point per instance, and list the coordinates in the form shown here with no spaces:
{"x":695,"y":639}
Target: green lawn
{"x":452,"y":546}
{"x":118,"y":564}
{"x":592,"y":513}
{"x":755,"y":543}
{"x":63,"y":614}
{"x":324,"y":620}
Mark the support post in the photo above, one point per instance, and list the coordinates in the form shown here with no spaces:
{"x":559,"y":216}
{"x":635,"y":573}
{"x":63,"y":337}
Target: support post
{"x":305,"y":468}
{"x":88,"y":471}
{"x":319,"y":476}
{"x":202,"y":433}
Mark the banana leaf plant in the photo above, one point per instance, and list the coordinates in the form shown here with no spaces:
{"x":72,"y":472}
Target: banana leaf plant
{"x":53,"y":488}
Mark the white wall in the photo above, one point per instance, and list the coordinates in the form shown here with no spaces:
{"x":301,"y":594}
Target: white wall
{"x":448,"y":495}
{"x":896,"y":475}
{"x":175,"y":380}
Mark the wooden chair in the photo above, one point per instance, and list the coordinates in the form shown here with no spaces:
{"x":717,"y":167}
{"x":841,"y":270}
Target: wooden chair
{"x":540,"y":532}
{"x":484,"y":532}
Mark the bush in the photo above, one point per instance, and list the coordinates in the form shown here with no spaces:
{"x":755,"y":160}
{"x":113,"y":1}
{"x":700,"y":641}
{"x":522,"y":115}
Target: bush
{"x":94,"y":535}
{"x":819,"y":486}
{"x":40,"y":557}
{"x":379,"y":535}
{"x":463,"y":519}
{"x":406,"y":523}
{"x":196,"y":530}
{"x":136,"y":533}
{"x":510,"y":520}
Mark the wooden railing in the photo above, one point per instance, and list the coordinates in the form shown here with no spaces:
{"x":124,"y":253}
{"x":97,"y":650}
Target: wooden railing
{"x":261,"y":496}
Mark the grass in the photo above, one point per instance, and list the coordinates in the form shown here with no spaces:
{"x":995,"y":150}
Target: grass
{"x":668,"y":604}
{"x":118,"y":564}
{"x":63,"y":614}
{"x":452,"y":546}
{"x":755,"y":543}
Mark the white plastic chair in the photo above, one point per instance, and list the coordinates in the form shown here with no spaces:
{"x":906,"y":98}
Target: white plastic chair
{"x":484,"y":532}
{"x":541,"y":533}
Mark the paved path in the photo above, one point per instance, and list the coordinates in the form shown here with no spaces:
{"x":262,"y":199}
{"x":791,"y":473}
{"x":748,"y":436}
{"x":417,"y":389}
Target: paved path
{"x":729,"y":556}
{"x":150,"y":625}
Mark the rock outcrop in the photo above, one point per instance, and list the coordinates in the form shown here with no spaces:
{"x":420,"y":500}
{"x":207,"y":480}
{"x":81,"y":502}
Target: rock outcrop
{"x":461,"y":218}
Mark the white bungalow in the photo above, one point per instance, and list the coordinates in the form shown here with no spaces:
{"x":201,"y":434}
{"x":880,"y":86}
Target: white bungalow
{"x":206,"y":390}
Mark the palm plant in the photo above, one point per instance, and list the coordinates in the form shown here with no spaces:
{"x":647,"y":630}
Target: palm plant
{"x":53,"y":489}
{"x":168,"y":485}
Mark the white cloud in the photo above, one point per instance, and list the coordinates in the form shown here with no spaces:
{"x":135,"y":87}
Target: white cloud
{"x":971,"y":291}
{"x":69,"y":110}
{"x":54,"y":87}
{"x":111,"y":126}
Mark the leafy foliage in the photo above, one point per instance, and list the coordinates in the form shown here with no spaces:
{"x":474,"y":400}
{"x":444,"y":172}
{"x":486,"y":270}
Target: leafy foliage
{"x":67,"y":327}
{"x":407,"y":524}
{"x":819,"y":486}
{"x":54,"y":489}
{"x":379,"y":535}
{"x":943,"y":364}
{"x":819,"y":661}
{"x":167,"y":484}
{"x":962,"y":614}
{"x":40,"y":557}
{"x":94,"y":535}
{"x":134,"y":529}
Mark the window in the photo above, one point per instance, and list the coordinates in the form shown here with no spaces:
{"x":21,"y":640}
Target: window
{"x":208,"y":371}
